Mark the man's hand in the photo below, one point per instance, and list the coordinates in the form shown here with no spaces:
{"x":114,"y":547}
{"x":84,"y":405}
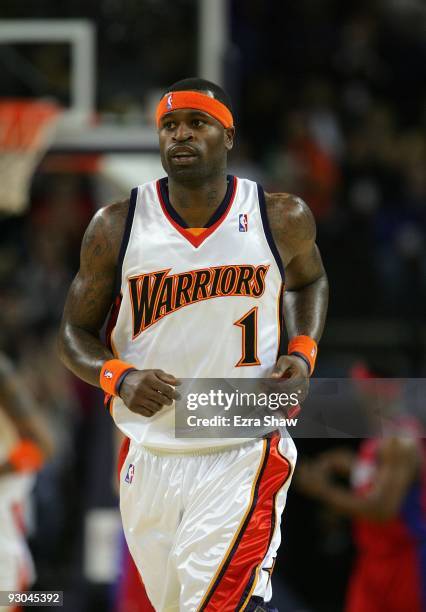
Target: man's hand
{"x":147,"y":391}
{"x":292,"y":374}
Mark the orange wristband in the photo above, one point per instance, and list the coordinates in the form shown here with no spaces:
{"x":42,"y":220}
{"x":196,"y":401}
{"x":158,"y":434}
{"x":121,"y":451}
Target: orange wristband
{"x":26,"y":456}
{"x":112,"y":374}
{"x":306,"y":348}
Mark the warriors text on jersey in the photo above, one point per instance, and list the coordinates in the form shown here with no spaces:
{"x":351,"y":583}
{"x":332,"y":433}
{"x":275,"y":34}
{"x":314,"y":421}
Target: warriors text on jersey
{"x":196,"y":303}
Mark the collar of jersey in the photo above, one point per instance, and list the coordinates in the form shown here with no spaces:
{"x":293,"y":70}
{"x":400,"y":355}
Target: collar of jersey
{"x":197,"y":237}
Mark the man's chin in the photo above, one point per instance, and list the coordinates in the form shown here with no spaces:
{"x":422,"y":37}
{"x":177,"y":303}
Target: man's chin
{"x":188,"y":174}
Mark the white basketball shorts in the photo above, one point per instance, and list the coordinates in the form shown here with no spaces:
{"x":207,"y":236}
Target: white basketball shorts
{"x":204,"y":529}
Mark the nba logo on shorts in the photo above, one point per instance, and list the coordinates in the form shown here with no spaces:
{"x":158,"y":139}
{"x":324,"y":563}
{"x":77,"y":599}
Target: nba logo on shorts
{"x":169,"y":102}
{"x":130,"y":473}
{"x":243,"y":222}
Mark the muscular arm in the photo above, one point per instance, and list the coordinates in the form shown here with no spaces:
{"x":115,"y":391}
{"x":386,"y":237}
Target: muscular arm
{"x":89,"y":300}
{"x":91,"y":294}
{"x":306,"y":296}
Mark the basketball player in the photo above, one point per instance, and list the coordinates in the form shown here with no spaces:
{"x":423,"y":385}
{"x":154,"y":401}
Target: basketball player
{"x":387,"y":502}
{"x":194,"y":264}
{"x":24,"y":446}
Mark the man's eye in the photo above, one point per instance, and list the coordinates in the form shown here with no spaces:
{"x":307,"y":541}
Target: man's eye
{"x":169,"y":125}
{"x":197,"y":122}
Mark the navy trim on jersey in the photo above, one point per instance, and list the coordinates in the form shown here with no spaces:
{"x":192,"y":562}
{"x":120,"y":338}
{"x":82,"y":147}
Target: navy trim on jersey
{"x":282,"y":347}
{"x":267,"y":230}
{"x":220,"y":210}
{"x":125,"y":240}
{"x":242,"y":530}
{"x":172,"y":212}
{"x":108,"y":401}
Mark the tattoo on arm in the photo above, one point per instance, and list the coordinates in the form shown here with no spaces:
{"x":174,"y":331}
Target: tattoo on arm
{"x":91,"y":295}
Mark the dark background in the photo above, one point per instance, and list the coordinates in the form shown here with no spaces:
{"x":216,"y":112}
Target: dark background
{"x":329,"y":102}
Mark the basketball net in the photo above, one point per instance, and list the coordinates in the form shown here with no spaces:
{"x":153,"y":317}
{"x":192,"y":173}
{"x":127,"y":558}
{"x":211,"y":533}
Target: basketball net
{"x":26,"y":130}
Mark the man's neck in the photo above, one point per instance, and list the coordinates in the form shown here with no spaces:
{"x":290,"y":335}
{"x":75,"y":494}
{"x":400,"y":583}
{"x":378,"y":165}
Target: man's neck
{"x":197,"y":204}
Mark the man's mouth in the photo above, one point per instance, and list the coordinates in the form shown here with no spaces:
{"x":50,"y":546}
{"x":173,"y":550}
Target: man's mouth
{"x":183,"y":154}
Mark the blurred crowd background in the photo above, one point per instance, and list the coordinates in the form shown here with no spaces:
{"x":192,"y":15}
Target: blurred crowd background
{"x":330,"y":103}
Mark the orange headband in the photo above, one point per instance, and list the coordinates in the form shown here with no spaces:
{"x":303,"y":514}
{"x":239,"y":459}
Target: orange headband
{"x":199,"y":101}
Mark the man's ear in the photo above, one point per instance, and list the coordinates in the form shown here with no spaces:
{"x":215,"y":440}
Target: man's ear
{"x":229,"y":138}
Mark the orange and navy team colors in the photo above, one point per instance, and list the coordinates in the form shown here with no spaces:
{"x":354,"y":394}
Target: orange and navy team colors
{"x":197,"y":306}
{"x":212,"y":528}
{"x":201,"y":515}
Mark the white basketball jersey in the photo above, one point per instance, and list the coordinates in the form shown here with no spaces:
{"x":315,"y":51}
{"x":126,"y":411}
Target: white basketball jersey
{"x":196,"y":306}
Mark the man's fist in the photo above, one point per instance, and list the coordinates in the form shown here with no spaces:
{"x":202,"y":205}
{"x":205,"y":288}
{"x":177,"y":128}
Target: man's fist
{"x":291,"y":373}
{"x":147,"y":391}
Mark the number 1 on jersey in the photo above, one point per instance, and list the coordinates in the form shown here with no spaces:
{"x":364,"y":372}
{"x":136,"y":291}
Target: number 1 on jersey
{"x":248,"y":324}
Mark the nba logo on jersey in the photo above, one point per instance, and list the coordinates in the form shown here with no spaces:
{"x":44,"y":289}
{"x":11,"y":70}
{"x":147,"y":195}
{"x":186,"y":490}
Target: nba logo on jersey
{"x":130,"y":473}
{"x":169,"y":102}
{"x":243,"y":222}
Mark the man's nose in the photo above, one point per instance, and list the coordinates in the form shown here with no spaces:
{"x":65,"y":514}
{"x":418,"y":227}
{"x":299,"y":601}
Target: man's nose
{"x":182,"y":132}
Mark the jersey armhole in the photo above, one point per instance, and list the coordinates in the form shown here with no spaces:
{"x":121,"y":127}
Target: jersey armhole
{"x":267,"y":231}
{"x":125,"y":241}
